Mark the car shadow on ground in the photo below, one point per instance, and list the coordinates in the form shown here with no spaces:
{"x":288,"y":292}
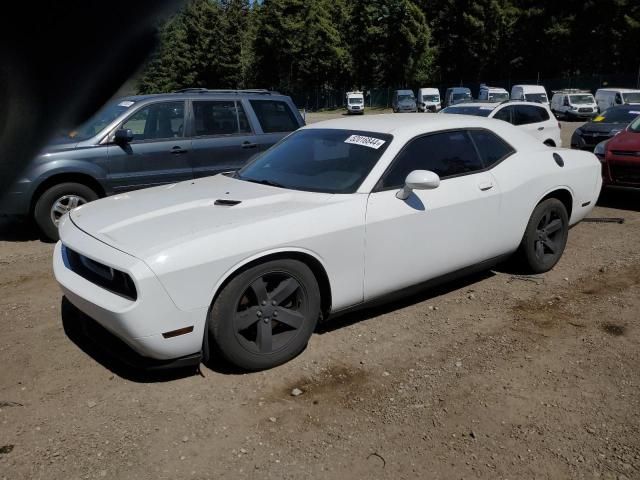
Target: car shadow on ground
{"x":621,"y":199}
{"x":400,"y":300}
{"x":17,"y":230}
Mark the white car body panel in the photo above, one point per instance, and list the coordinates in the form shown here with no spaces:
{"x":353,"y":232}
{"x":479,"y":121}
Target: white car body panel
{"x":179,"y":247}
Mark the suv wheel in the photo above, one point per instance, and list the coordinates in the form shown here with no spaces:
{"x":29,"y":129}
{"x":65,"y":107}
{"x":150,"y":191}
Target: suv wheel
{"x":58,"y":200}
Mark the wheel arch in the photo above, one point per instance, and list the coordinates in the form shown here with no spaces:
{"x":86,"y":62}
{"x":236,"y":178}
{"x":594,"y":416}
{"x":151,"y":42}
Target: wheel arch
{"x":307,"y":257}
{"x":563,"y":194}
{"x":64,"y":177}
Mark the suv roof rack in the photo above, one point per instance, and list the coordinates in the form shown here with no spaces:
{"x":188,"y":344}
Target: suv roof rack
{"x":254,"y":91}
{"x":571,"y":90}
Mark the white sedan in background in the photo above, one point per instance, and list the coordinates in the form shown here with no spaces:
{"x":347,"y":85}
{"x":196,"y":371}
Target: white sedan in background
{"x":336,"y":215}
{"x":534,"y":118}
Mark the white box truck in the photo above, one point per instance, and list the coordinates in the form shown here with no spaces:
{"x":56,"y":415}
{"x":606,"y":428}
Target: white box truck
{"x":355,"y":102}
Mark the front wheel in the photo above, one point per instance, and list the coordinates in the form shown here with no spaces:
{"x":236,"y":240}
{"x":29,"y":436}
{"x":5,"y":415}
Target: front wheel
{"x":265,"y":315}
{"x":545,"y":237}
{"x":58,"y":200}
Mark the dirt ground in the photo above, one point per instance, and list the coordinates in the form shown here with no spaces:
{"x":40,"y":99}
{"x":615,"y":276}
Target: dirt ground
{"x":499,"y":376}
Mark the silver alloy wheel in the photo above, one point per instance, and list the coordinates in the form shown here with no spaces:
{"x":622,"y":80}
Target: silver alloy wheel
{"x":65,"y":204}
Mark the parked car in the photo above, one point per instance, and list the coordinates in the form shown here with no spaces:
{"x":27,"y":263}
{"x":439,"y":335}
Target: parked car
{"x":326,"y":220}
{"x":404,"y":101}
{"x":620,"y":157}
{"x":534,"y":118}
{"x":604,"y":126}
{"x":573,"y":104}
{"x":530,"y":93}
{"x":143,"y":141}
{"x":610,"y":97}
{"x":492,"y":94}
{"x":429,"y":100}
{"x":456,"y":95}
{"x":355,"y":102}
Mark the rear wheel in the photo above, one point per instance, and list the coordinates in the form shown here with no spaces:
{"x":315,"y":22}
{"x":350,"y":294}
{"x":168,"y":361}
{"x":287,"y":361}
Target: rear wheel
{"x":546,"y":236}
{"x":58,"y":200}
{"x":265,"y":315}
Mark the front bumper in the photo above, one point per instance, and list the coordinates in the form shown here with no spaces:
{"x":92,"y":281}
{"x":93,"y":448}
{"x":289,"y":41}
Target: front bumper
{"x":139,"y":323}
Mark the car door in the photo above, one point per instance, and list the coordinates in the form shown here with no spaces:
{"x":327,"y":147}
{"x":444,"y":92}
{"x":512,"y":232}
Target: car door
{"x":222,"y":137}
{"x":159,"y":152}
{"x":433,"y":232}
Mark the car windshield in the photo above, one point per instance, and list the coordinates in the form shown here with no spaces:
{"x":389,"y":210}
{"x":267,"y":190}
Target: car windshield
{"x":405,"y":96}
{"x":536,"y":97}
{"x":461,"y":96}
{"x":617,"y":115}
{"x":635,"y":126}
{"x":467,"y":110}
{"x":318,"y":160}
{"x":431,"y":98}
{"x":631,"y":97}
{"x":96,"y":123}
{"x":498,"y":97}
{"x":581,"y":99}
{"x":355,"y":101}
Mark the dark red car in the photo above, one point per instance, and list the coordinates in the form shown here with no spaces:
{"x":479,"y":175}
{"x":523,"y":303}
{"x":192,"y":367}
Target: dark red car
{"x":621,"y":159}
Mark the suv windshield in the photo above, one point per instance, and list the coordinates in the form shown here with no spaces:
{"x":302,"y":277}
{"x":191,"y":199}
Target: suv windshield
{"x":96,"y":123}
{"x":536,"y":97}
{"x":405,"y":96}
{"x":631,"y":97}
{"x":355,"y":100}
{"x":581,"y":99}
{"x":467,"y":110}
{"x":635,"y":126}
{"x":461,"y":96}
{"x":617,"y":115}
{"x":498,"y":97}
{"x":431,"y":98}
{"x":318,"y":160}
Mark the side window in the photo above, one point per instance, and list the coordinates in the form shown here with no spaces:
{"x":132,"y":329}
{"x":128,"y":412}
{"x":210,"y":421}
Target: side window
{"x":526,"y":114}
{"x":491,"y":147}
{"x":543,"y":114}
{"x":504,"y":114}
{"x":447,"y":154}
{"x":157,"y":121}
{"x":274,"y":116}
{"x":219,"y":118}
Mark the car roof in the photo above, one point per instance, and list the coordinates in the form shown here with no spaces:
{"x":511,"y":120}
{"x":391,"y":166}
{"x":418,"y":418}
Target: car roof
{"x":204,"y":93}
{"x":496,"y":104}
{"x":616,"y":90}
{"x":394,"y":123}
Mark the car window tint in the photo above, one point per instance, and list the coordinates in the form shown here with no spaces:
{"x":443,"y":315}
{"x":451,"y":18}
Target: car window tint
{"x":526,"y":114}
{"x":156,"y":121}
{"x":274,"y":116}
{"x":218,"y":118}
{"x":504,"y":114}
{"x":491,"y":147}
{"x":446,"y":153}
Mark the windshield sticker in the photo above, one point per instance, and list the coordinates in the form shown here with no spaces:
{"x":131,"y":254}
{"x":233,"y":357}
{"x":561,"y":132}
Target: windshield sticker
{"x":126,"y":103}
{"x":599,"y":118}
{"x":370,"y":142}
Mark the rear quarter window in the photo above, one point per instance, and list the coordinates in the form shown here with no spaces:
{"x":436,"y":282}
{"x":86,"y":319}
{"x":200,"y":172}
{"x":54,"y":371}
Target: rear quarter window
{"x":491,"y":147}
{"x":274,"y":116}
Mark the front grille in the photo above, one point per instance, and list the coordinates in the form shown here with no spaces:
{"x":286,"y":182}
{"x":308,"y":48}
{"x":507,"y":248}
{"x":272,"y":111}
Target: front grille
{"x":106,"y":277}
{"x":625,"y":153}
{"x":594,"y":139}
{"x":585,"y":110}
{"x":625,"y":173}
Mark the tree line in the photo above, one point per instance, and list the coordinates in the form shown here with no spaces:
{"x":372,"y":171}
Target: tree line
{"x":305,"y":45}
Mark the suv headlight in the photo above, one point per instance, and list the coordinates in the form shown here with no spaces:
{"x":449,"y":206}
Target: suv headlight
{"x":579,"y":131}
{"x":600,"y":150}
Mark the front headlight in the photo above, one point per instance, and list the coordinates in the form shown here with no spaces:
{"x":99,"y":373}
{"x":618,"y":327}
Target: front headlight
{"x":573,"y":107}
{"x":579,"y":131}
{"x":600,"y":150}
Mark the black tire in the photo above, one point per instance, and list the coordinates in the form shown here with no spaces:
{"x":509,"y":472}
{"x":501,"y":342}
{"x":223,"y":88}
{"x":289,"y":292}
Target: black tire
{"x":545,"y":237}
{"x":247,"y":328}
{"x":42,"y":213}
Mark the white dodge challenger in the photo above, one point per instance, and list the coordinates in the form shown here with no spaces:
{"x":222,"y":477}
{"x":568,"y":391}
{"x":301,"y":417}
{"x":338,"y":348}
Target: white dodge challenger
{"x":337,"y":214}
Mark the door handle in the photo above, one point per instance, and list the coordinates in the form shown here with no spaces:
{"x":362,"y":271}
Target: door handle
{"x":177,"y":150}
{"x":249,"y":145}
{"x":540,"y":129}
{"x":484,"y":186}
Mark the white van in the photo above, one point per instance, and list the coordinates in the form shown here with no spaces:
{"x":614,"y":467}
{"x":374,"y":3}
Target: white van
{"x":610,"y":97}
{"x":573,"y":104}
{"x":492,"y":94}
{"x":355,"y":102}
{"x":429,"y":100}
{"x":530,"y":93}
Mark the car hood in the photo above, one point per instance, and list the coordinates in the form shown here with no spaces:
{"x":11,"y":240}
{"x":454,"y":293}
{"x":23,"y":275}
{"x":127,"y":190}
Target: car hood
{"x":629,"y":141}
{"x":598,"y":127}
{"x":149,"y":221}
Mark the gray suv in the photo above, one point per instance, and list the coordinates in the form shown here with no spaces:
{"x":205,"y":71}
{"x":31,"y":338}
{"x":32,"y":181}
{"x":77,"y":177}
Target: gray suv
{"x":148,"y":140}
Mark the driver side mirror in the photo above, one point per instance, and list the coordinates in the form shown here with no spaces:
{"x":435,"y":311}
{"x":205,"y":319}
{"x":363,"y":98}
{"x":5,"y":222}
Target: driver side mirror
{"x":418,"y":180}
{"x":123,"y":136}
